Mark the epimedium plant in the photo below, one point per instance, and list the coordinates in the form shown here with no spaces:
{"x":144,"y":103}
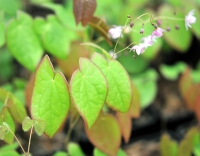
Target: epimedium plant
{"x":100,"y":82}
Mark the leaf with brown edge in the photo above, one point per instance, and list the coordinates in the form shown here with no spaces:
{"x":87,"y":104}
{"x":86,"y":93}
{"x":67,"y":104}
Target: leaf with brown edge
{"x":105,"y":134}
{"x":101,"y":27}
{"x":83,"y":10}
{"x":29,"y":90}
{"x":134,"y":110}
{"x":197,"y":104}
{"x":50,"y":98}
{"x":125,"y":125}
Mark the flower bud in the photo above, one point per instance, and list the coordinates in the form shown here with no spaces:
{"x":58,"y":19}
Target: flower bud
{"x":131,"y":24}
{"x":168,"y":29}
{"x":142,"y":31}
{"x":159,"y":22}
{"x":128,"y":16}
{"x":177,"y":27}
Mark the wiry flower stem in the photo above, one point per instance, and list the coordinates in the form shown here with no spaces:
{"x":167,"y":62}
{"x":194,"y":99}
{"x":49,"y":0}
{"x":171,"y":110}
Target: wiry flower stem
{"x":169,"y":18}
{"x":29,"y":142}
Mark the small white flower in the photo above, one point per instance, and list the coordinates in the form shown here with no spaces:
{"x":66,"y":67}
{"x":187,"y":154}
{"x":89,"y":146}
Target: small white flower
{"x":190,"y":19}
{"x":148,"y":40}
{"x":140,"y":48}
{"x":112,"y":54}
{"x":115,"y":32}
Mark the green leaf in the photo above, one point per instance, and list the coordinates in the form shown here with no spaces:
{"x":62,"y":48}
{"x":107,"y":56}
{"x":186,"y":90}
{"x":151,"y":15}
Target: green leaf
{"x":10,"y":153}
{"x":3,"y":131}
{"x":39,"y":126}
{"x":7,"y":118}
{"x":172,"y":72}
{"x":23,"y":42}
{"x":147,"y":86}
{"x":178,"y":39}
{"x":10,"y":147}
{"x":120,"y":90}
{"x":60,"y":153}
{"x":2,"y":33}
{"x":88,"y":90}
{"x":27,"y":124}
{"x":75,"y":150}
{"x":55,"y":37}
{"x":105,"y":134}
{"x":16,"y":108}
{"x":50,"y":97}
{"x":10,"y":6}
{"x":168,"y":146}
{"x":131,"y":63}
{"x":97,"y":152}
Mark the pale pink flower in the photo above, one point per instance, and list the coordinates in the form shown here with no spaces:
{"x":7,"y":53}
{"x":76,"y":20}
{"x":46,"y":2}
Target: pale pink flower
{"x":115,"y":32}
{"x":158,"y":32}
{"x":148,"y":40}
{"x":190,"y":19}
{"x":140,"y":48}
{"x":112,"y":54}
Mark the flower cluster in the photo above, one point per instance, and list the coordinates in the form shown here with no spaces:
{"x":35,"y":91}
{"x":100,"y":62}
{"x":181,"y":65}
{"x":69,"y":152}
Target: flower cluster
{"x":148,"y":41}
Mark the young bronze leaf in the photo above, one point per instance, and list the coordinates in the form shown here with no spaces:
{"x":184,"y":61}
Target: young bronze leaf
{"x":105,"y":134}
{"x":83,"y":10}
{"x":7,"y":118}
{"x":39,"y":126}
{"x":50,"y":98}
{"x":125,"y":125}
{"x":134,"y":110}
{"x":27,"y":124}
{"x":120,"y":89}
{"x":168,"y":146}
{"x":101,"y":27}
{"x":88,"y":90}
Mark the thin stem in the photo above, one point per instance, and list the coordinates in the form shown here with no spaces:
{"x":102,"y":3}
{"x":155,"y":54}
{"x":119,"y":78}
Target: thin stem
{"x":125,"y":48}
{"x":29,"y":142}
{"x":17,"y":141}
{"x":143,"y":15}
{"x":71,"y":126}
{"x":169,"y":18}
{"x":120,"y":36}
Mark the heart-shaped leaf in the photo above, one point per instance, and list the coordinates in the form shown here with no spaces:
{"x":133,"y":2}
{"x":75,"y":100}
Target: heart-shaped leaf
{"x":39,"y":126}
{"x":50,"y":97}
{"x":125,"y":125}
{"x":178,"y":39}
{"x":7,"y":118}
{"x":83,"y":10}
{"x":27,"y":124}
{"x":23,"y":43}
{"x":55,"y":37}
{"x":120,"y":90}
{"x":105,"y":134}
{"x":88,"y":90}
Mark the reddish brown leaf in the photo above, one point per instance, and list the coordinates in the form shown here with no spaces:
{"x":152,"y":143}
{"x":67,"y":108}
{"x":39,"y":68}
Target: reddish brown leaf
{"x":185,"y":84}
{"x":78,"y":9}
{"x":100,"y":26}
{"x":83,"y":10}
{"x":134,"y":110}
{"x":105,"y":134}
{"x":71,"y":63}
{"x":191,"y":95}
{"x":125,"y":125}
